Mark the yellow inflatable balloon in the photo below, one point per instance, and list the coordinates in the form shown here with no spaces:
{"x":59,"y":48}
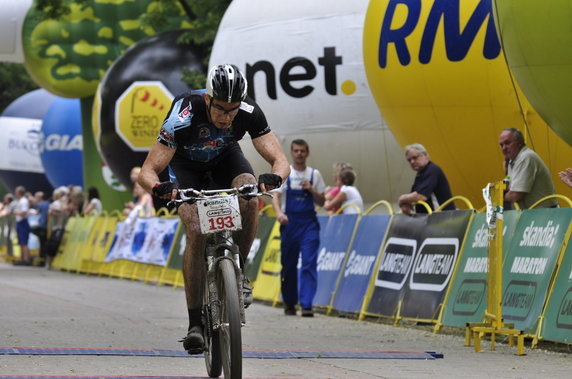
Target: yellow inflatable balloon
{"x":439,"y":78}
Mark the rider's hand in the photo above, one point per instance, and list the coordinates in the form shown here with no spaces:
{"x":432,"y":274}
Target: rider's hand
{"x":165,"y":190}
{"x":267,"y":182}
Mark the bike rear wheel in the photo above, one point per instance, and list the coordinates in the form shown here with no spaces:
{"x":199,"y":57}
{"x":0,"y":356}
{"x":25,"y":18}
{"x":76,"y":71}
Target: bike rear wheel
{"x":212,"y":355}
{"x":229,"y":332}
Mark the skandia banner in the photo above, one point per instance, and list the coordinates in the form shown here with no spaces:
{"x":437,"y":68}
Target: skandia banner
{"x":334,"y":244}
{"x":434,"y":263}
{"x":395,"y":264}
{"x":530,"y":264}
{"x":359,"y":266}
{"x":467,"y":298}
{"x":557,"y":320}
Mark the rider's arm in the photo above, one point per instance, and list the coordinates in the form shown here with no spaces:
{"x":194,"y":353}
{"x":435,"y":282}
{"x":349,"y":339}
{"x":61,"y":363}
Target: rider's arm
{"x":269,"y":148}
{"x":157,"y":160}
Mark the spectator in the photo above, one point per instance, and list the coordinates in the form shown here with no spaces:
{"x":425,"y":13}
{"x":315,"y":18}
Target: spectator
{"x":92,"y":206}
{"x":39,"y":227}
{"x":566,"y":176}
{"x":57,"y":212}
{"x":529,"y":178}
{"x":430,"y":185}
{"x":128,"y":206}
{"x":22,"y":226}
{"x":348,"y":193}
{"x":294,"y":205}
{"x":75,"y":201}
{"x":331,"y":192}
{"x":5,"y":208}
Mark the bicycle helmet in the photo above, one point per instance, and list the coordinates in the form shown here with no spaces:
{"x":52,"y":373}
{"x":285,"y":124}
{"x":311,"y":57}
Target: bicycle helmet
{"x":225,"y":82}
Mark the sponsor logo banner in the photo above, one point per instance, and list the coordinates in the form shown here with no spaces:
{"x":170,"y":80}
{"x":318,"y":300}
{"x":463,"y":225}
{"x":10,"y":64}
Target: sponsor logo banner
{"x":467,"y":298}
{"x":359,"y":266}
{"x":334,"y":244}
{"x":434,"y":263}
{"x":529,"y":266}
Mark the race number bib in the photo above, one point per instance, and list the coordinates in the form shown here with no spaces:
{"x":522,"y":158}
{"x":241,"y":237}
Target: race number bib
{"x":221,"y":213}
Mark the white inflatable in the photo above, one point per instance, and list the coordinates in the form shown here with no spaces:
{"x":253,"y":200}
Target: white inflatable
{"x":11,"y":20}
{"x":304,"y":63}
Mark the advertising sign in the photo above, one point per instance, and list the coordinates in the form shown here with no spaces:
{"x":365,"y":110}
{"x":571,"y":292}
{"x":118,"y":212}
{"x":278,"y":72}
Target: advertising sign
{"x":467,"y":299}
{"x":557,"y":321}
{"x":434,"y":263}
{"x":332,"y":255}
{"x":395,"y":263}
{"x":530,"y":264}
{"x":265,"y":225}
{"x":267,"y":286}
{"x":359,"y":266}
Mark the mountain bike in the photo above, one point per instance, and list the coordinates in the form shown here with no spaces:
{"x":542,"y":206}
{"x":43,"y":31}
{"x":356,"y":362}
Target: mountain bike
{"x":223,"y":300}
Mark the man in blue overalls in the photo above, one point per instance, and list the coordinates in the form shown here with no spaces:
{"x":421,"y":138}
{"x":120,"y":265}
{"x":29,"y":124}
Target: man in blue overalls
{"x":294,"y":204}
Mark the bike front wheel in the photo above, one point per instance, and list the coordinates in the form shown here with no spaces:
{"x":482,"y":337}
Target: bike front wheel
{"x":213,"y":360}
{"x":229,"y":332}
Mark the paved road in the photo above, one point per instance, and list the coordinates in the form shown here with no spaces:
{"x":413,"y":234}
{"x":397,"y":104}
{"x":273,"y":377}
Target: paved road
{"x":49,"y":309}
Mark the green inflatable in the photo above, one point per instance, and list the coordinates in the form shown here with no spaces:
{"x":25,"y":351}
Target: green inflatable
{"x":537,"y":40}
{"x":69,"y":57}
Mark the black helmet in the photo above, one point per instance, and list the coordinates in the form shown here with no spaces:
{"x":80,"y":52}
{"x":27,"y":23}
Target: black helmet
{"x":225,"y":82}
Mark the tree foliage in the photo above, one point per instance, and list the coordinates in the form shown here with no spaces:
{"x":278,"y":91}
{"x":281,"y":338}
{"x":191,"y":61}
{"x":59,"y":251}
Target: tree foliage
{"x":14,"y":82}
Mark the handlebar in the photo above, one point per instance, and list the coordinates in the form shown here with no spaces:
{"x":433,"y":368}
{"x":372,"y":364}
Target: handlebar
{"x":190,"y":195}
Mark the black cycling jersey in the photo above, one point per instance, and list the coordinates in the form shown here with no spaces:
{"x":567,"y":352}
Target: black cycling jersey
{"x":187,"y":127}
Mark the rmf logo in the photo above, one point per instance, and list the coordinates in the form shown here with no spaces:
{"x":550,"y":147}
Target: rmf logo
{"x":400,"y":28}
{"x":299,"y":69}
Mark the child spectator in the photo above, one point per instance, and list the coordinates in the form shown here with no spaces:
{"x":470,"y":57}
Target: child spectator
{"x":348,"y":194}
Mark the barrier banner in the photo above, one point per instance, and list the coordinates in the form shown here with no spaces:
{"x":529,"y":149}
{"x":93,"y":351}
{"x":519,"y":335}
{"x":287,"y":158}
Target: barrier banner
{"x":334,"y":244}
{"x":153,"y":242}
{"x":267,"y":286}
{"x":4,"y":229}
{"x":101,"y":237}
{"x":147,"y":240}
{"x":359,"y":266}
{"x":179,"y":243}
{"x":323,"y":221}
{"x":467,"y":298}
{"x":434,"y":263}
{"x":122,"y":241}
{"x":265,"y":225}
{"x":77,"y":231}
{"x":557,"y":321}
{"x":395,"y":263}
{"x":530,"y":264}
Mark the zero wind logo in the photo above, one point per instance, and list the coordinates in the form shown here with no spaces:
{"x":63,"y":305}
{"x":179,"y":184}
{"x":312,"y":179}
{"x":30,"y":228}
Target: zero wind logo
{"x":297,"y":76}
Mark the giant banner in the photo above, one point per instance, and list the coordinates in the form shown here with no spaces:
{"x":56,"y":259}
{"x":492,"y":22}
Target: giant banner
{"x":530,"y":264}
{"x":359,"y":266}
{"x":334,"y":243}
{"x":467,"y":298}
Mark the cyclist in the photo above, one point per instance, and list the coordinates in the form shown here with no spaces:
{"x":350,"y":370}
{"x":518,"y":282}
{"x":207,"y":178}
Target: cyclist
{"x":199,"y":142}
